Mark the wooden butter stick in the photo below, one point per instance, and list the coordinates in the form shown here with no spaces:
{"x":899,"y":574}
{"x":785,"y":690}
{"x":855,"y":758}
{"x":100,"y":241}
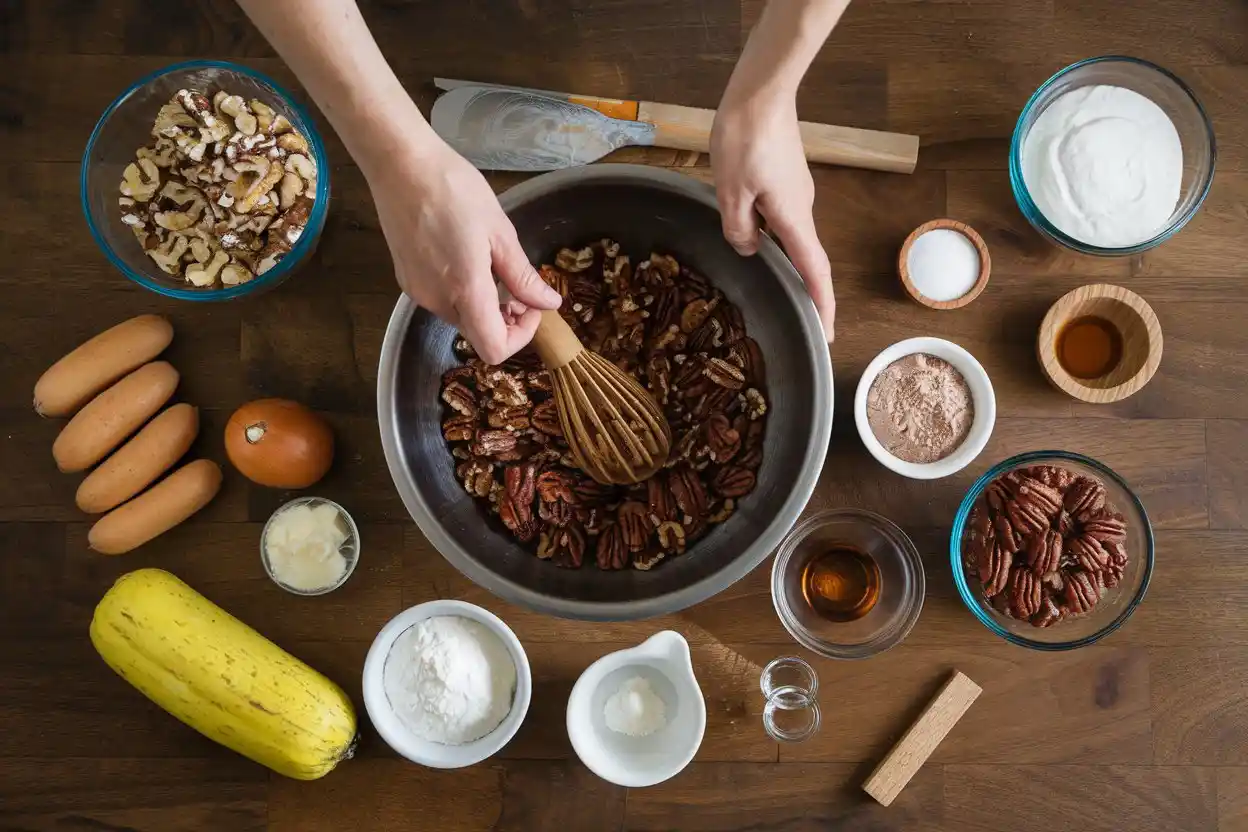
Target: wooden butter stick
{"x":913,"y":749}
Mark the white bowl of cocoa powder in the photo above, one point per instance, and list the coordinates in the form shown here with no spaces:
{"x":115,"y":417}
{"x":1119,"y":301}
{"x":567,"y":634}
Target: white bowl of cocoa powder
{"x":925,"y":408}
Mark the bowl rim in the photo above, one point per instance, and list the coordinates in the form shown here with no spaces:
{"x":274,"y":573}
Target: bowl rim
{"x":1032,"y":212}
{"x":804,"y":481}
{"x":1058,"y":315}
{"x":302,"y":247}
{"x":383,"y":718}
{"x":878,"y":645}
{"x":964,"y":589}
{"x":977,"y":379}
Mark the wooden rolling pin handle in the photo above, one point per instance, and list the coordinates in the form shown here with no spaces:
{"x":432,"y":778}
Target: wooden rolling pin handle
{"x":555,"y":342}
{"x":689,"y":128}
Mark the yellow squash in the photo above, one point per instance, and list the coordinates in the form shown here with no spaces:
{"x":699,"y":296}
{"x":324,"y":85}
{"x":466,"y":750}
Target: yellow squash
{"x":221,"y":677}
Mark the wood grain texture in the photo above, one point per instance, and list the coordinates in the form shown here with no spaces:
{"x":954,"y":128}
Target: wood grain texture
{"x":1145,"y":731}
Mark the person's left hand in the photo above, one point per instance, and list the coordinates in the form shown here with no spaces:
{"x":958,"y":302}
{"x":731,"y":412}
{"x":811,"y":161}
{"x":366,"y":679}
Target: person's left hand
{"x":760,"y":168}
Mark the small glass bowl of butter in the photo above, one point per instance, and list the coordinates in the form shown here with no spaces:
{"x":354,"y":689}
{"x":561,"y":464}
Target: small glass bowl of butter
{"x":310,"y":546}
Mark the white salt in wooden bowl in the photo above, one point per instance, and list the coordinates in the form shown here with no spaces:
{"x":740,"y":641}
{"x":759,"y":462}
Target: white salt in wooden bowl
{"x":982,"y":395}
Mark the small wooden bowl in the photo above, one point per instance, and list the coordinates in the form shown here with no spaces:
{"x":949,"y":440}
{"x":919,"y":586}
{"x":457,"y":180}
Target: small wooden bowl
{"x":985,"y":264}
{"x":1141,"y":342}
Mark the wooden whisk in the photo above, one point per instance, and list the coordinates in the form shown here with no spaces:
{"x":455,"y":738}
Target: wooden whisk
{"x":615,"y":429}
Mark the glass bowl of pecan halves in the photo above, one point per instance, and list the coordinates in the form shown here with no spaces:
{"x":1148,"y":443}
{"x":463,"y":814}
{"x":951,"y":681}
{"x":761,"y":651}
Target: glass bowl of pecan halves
{"x":732,"y":348}
{"x":1051,"y":550}
{"x":205,"y":181}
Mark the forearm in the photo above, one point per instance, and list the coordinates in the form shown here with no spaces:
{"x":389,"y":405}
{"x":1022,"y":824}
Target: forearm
{"x":781,"y":48}
{"x":329,"y":47}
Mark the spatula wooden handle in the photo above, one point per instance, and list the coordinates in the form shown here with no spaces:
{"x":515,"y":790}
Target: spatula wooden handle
{"x":689,"y":128}
{"x":555,"y":342}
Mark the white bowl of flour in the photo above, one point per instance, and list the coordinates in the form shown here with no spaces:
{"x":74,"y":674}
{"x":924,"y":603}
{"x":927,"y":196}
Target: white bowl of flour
{"x":447,"y":684}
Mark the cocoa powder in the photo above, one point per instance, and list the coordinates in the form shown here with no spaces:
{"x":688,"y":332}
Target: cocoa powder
{"x":920,"y":408}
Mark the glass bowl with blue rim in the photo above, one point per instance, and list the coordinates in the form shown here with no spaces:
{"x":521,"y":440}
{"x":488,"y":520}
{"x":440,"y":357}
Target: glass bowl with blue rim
{"x":1163,"y":88}
{"x":126,"y":126}
{"x":1116,"y":604}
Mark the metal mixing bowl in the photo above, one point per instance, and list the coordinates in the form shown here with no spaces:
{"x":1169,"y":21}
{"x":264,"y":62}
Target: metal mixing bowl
{"x":645,"y":209}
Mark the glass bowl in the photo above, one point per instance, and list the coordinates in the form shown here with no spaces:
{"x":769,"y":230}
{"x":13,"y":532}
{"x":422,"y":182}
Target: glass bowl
{"x":1115,"y":606}
{"x":1166,"y":91}
{"x":126,"y":126}
{"x":350,"y":548}
{"x":900,"y":583}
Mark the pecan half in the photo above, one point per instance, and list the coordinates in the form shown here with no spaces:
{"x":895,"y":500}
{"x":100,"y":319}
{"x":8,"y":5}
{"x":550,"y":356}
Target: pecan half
{"x":997,"y":495}
{"x":659,"y":500}
{"x":545,"y":418}
{"x":672,"y":537}
{"x":462,"y":373}
{"x":1025,"y":592}
{"x":688,"y":492}
{"x":1082,"y":592}
{"x":1085,"y":497}
{"x":755,"y":404}
{"x":1044,"y":552}
{"x":557,"y":513}
{"x":1106,"y":527}
{"x":724,"y":373}
{"x":998,"y":569}
{"x":611,"y":551}
{"x":715,"y":401}
{"x":1038,"y":496}
{"x":1050,"y":613}
{"x":476,"y":475}
{"x":1051,"y":475}
{"x":516,"y":506}
{"x":460,"y":398}
{"x":1004,"y":532}
{"x":1027,"y":516}
{"x":695,"y":314}
{"x":511,"y":419}
{"x":589,"y":492}
{"x":459,"y":429}
{"x":724,"y":511}
{"x":575,"y":261}
{"x":539,"y":381}
{"x":723,"y":441}
{"x":1088,"y":553}
{"x":633,"y":524}
{"x":733,"y":481}
{"x":494,"y":443}
{"x":1065,"y":523}
{"x":555,"y":485}
{"x":747,"y":355}
{"x":707,"y":337}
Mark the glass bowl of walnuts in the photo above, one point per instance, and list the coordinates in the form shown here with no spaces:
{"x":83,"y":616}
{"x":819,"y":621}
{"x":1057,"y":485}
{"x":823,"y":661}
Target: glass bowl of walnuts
{"x":205,"y":181}
{"x":1051,"y":550}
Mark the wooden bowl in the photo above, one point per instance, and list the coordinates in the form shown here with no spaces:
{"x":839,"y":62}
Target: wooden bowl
{"x":985,"y":264}
{"x":1135,"y":321}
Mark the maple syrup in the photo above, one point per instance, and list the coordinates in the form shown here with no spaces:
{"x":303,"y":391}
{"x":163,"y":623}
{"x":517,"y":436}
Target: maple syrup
{"x":841,"y":584}
{"x":1089,"y":347}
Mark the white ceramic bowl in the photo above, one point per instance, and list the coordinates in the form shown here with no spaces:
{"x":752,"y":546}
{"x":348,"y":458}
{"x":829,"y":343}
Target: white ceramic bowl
{"x":982,"y":395}
{"x":665,"y":662}
{"x":433,"y":754}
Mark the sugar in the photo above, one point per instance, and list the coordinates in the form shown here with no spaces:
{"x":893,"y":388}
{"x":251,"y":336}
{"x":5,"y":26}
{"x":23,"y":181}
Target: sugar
{"x":943,"y":264}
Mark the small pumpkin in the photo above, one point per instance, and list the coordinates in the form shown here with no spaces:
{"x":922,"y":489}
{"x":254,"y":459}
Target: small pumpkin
{"x":279,"y":443}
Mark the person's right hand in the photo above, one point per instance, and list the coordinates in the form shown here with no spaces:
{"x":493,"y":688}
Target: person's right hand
{"x":449,"y":237}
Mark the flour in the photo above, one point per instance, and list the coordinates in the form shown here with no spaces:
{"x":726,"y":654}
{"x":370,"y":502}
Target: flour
{"x":1105,"y":165}
{"x":635,"y":709}
{"x":450,"y":680}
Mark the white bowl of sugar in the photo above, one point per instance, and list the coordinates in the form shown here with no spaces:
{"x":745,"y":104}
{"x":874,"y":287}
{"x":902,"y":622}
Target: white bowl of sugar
{"x":447,"y":684}
{"x":925,"y":408}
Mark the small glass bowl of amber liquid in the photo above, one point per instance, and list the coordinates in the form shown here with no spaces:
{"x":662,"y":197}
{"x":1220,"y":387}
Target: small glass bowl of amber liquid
{"x":847,"y":584}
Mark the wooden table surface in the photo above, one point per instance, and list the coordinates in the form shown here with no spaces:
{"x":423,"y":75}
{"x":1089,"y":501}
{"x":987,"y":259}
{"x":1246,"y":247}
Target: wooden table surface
{"x":1147,"y":730}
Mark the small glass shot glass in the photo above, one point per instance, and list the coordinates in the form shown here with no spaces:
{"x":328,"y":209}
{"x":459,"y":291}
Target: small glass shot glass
{"x":791,"y":687}
{"x":350,"y":548}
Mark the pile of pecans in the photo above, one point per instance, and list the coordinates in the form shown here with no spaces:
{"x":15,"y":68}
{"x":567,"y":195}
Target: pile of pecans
{"x":679,"y":336}
{"x":223,"y":192}
{"x":1046,"y":544}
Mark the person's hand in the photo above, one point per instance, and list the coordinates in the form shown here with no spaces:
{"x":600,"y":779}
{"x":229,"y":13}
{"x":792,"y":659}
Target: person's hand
{"x":449,"y":238}
{"x":756,"y":154}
